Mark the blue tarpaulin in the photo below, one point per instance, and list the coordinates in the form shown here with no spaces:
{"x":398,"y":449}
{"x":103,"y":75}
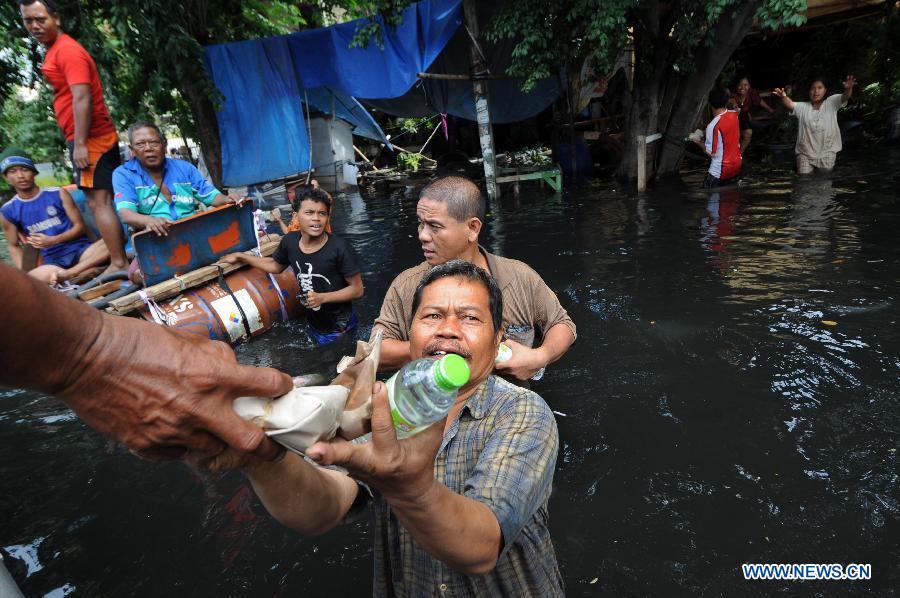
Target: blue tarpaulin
{"x":261,"y":123}
{"x":346,"y":107}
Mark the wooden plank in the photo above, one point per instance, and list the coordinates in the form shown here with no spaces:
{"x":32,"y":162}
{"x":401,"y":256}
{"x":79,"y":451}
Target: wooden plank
{"x":101,"y":290}
{"x":172,"y":287}
{"x":529,"y":176}
{"x":654,"y":137}
{"x":554,"y":179}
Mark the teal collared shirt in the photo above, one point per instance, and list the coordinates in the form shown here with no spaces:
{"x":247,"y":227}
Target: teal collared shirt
{"x":135,"y":190}
{"x":500,"y":451}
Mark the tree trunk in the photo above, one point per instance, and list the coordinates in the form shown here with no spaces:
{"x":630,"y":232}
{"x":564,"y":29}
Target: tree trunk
{"x":664,"y":101}
{"x":207,"y":127}
{"x":651,"y":53}
{"x":693,"y":90}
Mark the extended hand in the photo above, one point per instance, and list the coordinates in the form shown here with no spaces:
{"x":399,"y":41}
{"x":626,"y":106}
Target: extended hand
{"x":163,"y":393}
{"x":524,"y":363}
{"x":159,"y":225}
{"x":40,"y":240}
{"x":397,"y":468}
{"x":236,"y":198}
{"x":59,"y":276}
{"x":80,"y":156}
{"x":779,"y":92}
{"x":849,"y":82}
{"x":231,"y":258}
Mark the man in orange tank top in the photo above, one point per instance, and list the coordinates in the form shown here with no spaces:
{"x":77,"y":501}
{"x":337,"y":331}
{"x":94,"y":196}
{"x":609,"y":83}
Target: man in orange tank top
{"x":83,"y":117}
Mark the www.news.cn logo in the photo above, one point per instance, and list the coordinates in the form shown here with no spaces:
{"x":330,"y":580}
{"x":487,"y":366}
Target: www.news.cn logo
{"x":807,"y":571}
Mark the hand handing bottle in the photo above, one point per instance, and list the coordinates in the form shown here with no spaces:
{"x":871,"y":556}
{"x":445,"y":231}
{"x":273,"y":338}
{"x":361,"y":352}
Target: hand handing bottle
{"x":423,"y":392}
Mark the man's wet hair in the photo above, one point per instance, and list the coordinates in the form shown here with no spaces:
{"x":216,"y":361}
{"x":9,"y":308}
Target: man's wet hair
{"x":50,"y":5}
{"x":312,"y":193}
{"x":718,"y":98}
{"x":467,"y":271}
{"x":145,"y":124}
{"x":462,"y":196}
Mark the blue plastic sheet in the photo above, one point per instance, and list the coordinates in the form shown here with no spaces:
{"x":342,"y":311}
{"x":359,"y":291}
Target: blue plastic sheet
{"x":261,"y":123}
{"x":347,"y":108}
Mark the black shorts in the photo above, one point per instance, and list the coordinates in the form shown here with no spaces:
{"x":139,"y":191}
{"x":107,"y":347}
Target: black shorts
{"x":99,"y":175}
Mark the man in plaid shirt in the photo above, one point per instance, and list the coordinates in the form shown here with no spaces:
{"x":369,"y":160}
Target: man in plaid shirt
{"x":460,"y":508}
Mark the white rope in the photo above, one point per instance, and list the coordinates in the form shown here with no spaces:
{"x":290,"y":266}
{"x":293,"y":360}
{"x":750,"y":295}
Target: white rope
{"x":156,"y":311}
{"x":429,"y":137}
{"x":259,"y":223}
{"x":284,"y":313}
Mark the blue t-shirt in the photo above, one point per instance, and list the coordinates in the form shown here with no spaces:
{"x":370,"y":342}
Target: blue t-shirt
{"x":45,"y":214}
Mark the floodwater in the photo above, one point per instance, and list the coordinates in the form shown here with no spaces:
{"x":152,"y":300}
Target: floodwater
{"x":732,"y":398}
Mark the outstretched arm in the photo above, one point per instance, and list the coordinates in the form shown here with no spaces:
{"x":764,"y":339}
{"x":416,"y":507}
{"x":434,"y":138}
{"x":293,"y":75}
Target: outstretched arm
{"x":457,"y":530}
{"x":266,"y":264}
{"x":849,"y":83}
{"x":159,"y":392}
{"x":301,"y":496}
{"x":779,"y":92}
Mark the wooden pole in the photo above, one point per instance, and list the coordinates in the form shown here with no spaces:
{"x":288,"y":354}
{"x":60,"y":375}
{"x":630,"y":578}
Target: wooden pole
{"x":641,"y":164}
{"x":174,"y":286}
{"x":480,"y":93}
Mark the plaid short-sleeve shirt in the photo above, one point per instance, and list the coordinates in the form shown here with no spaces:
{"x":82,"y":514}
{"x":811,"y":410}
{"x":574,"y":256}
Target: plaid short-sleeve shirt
{"x":500,"y":451}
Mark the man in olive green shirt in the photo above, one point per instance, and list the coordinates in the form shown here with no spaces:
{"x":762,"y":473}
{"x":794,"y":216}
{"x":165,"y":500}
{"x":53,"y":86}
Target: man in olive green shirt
{"x":451,"y":213}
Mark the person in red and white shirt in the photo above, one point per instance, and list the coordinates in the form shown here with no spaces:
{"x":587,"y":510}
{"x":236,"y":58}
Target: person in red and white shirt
{"x":723,"y":141}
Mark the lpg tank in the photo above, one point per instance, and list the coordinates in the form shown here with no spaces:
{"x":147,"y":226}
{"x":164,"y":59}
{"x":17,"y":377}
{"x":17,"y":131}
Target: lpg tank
{"x":211,"y":311}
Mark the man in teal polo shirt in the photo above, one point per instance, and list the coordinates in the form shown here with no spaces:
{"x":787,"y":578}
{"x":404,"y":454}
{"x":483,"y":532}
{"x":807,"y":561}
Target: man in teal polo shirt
{"x":152,"y":191}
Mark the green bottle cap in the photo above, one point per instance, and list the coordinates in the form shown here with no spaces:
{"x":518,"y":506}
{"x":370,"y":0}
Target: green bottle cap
{"x":452,"y":372}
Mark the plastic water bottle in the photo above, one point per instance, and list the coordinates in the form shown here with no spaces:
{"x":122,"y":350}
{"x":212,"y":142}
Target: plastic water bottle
{"x":504,"y":353}
{"x":423,"y":392}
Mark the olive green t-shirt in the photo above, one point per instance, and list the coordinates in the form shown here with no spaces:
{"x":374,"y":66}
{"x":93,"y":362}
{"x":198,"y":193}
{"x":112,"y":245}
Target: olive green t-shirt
{"x":530,"y":308}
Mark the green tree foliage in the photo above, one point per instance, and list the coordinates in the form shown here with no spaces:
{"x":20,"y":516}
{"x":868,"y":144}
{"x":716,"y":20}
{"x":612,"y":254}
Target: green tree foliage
{"x":150,"y":55}
{"x":678,"y":50}
{"x":555,"y":33}
{"x":31,"y":126}
{"x":868,"y":49}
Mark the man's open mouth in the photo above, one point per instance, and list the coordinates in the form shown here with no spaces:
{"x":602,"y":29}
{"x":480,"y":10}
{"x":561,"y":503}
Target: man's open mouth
{"x":436,"y":351}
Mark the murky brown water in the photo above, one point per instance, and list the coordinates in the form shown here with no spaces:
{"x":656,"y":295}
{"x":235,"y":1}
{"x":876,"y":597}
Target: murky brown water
{"x":733,"y":397}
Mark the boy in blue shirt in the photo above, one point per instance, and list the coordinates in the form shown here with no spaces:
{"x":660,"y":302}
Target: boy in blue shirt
{"x":48,"y":220}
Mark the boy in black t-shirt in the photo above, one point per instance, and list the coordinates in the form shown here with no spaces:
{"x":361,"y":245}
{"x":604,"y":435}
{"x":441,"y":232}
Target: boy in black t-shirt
{"x":325,"y":266}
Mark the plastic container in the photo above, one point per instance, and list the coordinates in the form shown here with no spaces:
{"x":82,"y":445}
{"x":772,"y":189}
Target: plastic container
{"x":504,"y":353}
{"x":210,"y":310}
{"x":424,"y":391}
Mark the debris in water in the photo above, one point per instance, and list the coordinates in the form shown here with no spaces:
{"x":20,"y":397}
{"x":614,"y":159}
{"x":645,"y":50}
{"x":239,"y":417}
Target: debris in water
{"x":829,"y":322}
